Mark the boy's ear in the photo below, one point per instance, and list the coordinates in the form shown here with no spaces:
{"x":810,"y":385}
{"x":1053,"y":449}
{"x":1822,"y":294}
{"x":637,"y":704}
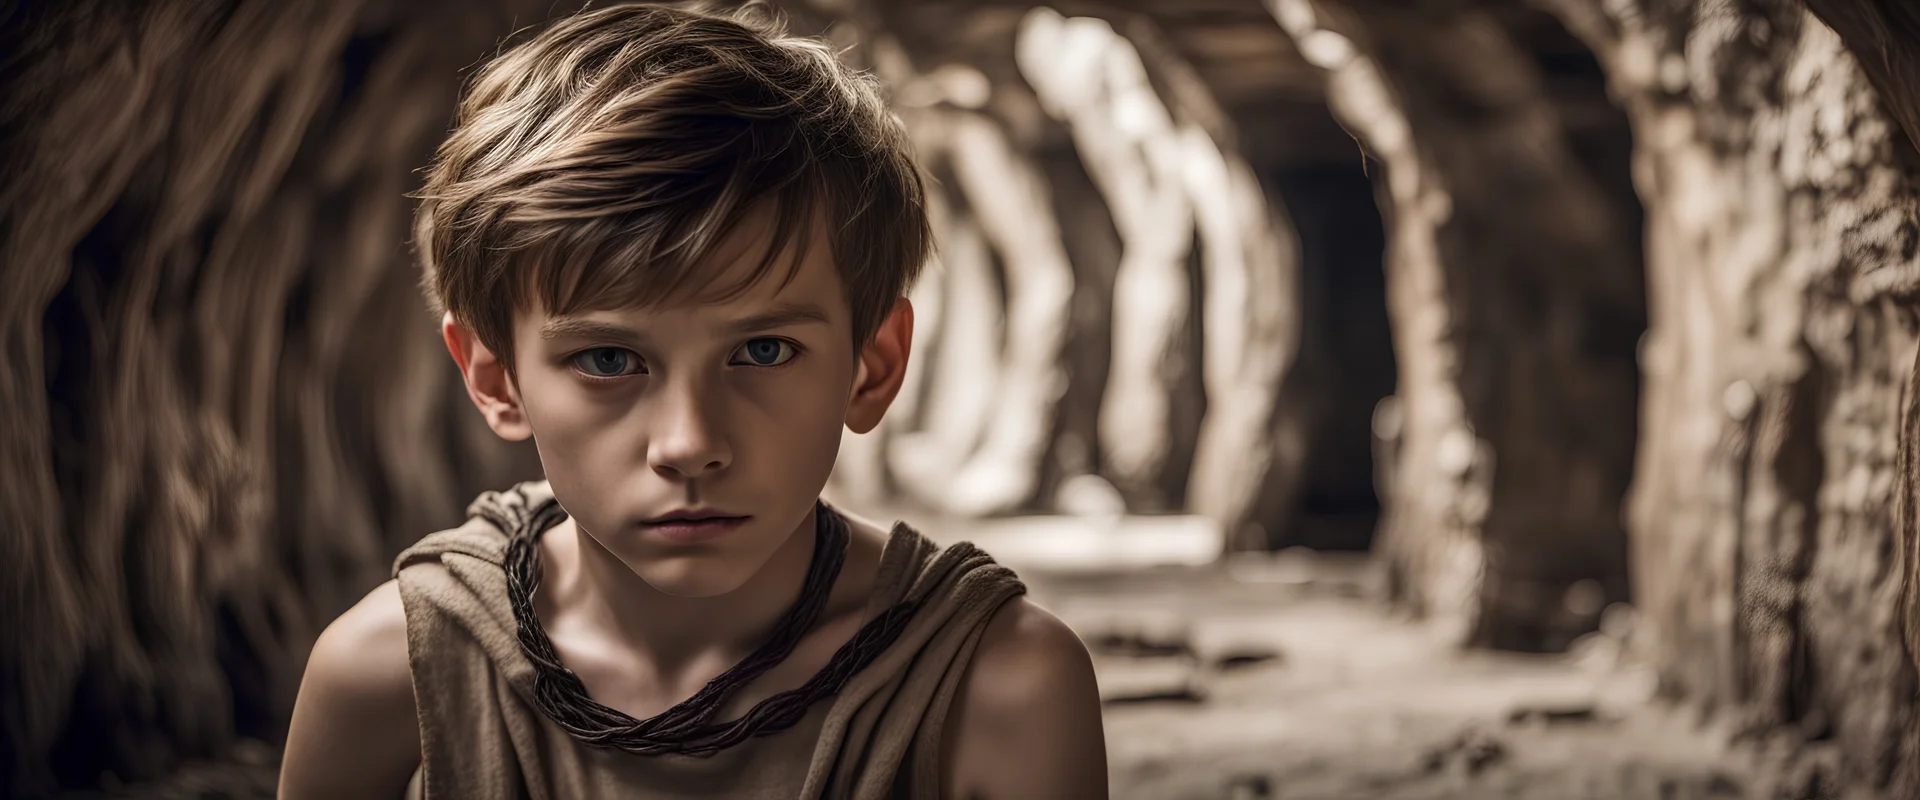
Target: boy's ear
{"x":488,"y":384}
{"x":882,"y":369}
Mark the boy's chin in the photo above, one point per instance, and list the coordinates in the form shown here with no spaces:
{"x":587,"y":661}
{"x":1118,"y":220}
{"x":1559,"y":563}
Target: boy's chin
{"x":696,"y":577}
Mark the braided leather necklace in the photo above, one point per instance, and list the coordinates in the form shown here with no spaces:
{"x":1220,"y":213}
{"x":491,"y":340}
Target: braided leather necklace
{"x":687,"y":728}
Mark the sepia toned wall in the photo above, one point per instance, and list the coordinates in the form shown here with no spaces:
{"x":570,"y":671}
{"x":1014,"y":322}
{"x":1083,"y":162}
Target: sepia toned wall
{"x":1293,"y":265}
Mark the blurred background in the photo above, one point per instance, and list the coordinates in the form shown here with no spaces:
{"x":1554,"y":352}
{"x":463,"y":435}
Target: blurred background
{"x":1419,"y":399}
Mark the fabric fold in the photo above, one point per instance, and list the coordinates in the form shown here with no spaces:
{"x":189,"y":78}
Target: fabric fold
{"x":482,"y":736}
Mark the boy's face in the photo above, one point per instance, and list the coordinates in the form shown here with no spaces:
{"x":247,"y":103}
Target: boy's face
{"x":728,"y":409}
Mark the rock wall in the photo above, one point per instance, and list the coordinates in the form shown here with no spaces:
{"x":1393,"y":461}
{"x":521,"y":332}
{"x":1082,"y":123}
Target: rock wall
{"x":1781,"y":255}
{"x":1515,"y":293}
{"x":227,"y":405}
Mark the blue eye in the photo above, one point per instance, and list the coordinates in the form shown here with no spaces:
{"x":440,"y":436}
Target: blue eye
{"x":607,"y":362}
{"x":765,"y":352}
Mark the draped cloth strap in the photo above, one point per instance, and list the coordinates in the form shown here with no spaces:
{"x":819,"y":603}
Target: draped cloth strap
{"x":874,"y":734}
{"x":687,"y":728}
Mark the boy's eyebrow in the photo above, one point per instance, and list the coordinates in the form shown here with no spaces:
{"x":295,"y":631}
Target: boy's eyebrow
{"x":779,"y":316}
{"x":574,"y":327}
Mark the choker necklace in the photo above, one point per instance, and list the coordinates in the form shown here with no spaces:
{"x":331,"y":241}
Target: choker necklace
{"x":687,"y":728}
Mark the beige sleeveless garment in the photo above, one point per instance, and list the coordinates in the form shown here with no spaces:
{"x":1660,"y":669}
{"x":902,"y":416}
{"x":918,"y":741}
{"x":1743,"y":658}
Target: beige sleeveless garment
{"x":482,"y":737}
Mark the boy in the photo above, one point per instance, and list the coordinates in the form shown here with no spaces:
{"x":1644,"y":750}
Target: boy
{"x":672,"y":249}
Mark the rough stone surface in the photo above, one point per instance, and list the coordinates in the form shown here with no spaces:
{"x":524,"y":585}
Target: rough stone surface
{"x":1782,"y":267}
{"x":225,"y":404}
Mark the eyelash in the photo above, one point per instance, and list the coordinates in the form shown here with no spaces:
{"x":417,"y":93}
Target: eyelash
{"x":574,"y":359}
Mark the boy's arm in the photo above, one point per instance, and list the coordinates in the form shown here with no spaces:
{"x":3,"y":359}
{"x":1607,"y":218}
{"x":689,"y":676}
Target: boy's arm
{"x":1026,"y":721}
{"x":354,"y":733}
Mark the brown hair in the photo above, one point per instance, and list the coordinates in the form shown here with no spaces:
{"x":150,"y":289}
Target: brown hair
{"x":595,"y":165}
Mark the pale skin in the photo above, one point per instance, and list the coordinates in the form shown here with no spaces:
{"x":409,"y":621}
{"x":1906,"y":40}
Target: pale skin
{"x":736,"y":406}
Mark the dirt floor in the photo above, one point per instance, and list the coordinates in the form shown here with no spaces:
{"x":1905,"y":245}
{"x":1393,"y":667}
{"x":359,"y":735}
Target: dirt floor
{"x":1278,"y":677}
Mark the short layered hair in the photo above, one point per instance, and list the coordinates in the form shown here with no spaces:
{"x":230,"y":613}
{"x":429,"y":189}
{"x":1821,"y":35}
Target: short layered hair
{"x":598,"y":164}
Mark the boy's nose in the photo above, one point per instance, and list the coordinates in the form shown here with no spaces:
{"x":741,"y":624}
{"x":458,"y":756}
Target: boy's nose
{"x":685,"y":442}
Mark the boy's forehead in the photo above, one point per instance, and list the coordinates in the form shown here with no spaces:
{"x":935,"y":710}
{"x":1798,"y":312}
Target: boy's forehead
{"x":801,"y":284}
{"x":803,"y":266}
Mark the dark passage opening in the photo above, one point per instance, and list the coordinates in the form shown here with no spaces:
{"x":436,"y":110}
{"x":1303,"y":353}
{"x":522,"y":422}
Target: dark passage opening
{"x":1313,"y":168}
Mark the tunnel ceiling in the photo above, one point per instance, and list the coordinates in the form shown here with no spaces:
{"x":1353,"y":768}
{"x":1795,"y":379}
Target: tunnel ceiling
{"x":1234,"y":46}
{"x":1275,"y":97}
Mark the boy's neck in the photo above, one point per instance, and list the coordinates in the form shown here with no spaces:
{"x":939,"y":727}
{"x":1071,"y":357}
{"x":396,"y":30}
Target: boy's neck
{"x":675,"y":634}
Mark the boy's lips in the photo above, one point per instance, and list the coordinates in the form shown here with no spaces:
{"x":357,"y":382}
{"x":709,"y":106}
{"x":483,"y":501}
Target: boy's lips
{"x":694,"y":525}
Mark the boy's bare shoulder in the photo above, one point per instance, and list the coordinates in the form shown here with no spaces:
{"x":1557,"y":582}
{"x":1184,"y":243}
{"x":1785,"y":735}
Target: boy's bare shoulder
{"x":1027,"y":718}
{"x":365,"y":649}
{"x":355,"y":706}
{"x":1025,"y":653}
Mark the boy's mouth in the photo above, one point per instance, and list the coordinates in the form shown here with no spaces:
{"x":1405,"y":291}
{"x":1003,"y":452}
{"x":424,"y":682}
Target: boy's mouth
{"x":694,"y":525}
